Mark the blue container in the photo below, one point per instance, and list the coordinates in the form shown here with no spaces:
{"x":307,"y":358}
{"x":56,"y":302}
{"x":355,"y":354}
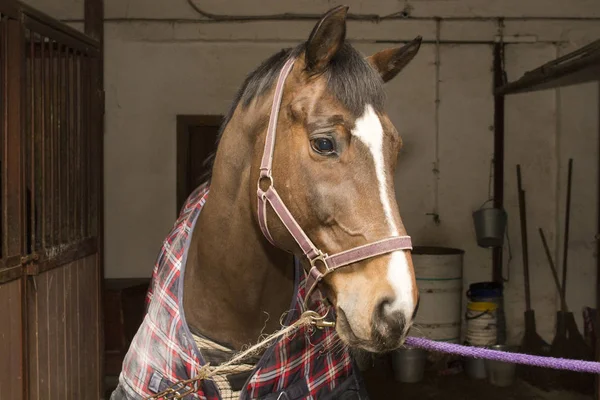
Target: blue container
{"x":485,"y":289}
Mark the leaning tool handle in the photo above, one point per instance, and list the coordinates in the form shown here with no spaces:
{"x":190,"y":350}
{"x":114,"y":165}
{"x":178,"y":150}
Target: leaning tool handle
{"x":563,"y":301}
{"x":566,"y":239}
{"x":523,"y":216}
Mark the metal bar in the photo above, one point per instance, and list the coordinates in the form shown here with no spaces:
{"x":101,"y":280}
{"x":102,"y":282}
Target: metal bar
{"x":94,"y":151}
{"x":58,"y":135}
{"x":30,"y":156}
{"x":36,"y":145}
{"x":90,"y":144}
{"x":68,"y":155}
{"x":26,"y":144}
{"x":78,"y":132}
{"x":37,"y":149}
{"x":86,"y":146}
{"x":498,"y":153}
{"x":53,"y":142}
{"x":43,"y":145}
{"x":72,"y":144}
{"x":13,"y":183}
{"x":62,"y":201}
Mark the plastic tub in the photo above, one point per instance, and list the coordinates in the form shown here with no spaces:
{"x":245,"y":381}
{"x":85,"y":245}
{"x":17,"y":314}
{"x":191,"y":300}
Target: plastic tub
{"x":491,"y":292}
{"x":438,"y":272}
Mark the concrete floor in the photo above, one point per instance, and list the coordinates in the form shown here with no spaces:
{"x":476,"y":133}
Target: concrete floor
{"x":459,"y":387}
{"x":381,"y":385}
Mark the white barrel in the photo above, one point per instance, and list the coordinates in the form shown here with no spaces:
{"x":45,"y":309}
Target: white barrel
{"x":482,"y":324}
{"x":438,"y":271}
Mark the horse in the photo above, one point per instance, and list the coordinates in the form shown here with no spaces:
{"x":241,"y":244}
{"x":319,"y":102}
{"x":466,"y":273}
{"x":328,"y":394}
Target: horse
{"x":281,"y":227}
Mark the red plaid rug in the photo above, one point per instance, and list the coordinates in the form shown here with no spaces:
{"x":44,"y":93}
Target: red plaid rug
{"x":301,"y":366}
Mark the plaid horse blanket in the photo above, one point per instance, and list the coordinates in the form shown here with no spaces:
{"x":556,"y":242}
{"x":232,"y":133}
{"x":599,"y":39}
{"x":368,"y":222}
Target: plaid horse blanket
{"x":164,"y":351}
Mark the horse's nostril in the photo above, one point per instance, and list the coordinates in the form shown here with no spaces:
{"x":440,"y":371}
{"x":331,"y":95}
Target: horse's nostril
{"x":387,"y":322}
{"x":384,"y":306}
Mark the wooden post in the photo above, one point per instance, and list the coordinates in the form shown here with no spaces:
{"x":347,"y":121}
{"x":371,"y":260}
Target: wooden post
{"x":94,"y":27}
{"x":597,"y":382}
{"x":12,"y":192}
{"x":498,"y":153}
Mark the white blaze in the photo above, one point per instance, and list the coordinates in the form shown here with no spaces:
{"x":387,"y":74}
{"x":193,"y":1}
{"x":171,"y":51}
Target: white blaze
{"x":369,"y":131}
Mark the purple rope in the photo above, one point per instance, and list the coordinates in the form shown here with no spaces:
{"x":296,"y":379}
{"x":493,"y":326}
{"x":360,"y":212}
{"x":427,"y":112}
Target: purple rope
{"x":517,"y":358}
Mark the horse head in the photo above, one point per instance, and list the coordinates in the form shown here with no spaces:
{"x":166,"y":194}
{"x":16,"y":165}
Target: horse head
{"x":333,"y":165}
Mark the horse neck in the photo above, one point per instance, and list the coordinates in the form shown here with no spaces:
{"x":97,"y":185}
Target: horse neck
{"x":236,"y":284}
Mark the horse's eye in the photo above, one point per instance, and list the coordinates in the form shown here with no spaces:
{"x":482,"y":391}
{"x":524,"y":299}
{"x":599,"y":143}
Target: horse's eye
{"x":323,"y":146}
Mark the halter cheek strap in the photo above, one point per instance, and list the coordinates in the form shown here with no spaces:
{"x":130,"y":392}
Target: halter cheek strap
{"x":321,"y":263}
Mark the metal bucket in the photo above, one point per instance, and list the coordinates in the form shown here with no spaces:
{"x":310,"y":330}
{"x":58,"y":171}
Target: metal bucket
{"x":475,"y":368}
{"x":490,"y":224}
{"x":501,"y":373}
{"x":409,"y":364}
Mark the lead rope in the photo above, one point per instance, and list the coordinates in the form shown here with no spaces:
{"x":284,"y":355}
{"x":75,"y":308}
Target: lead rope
{"x":567,"y":364}
{"x":183,"y":388}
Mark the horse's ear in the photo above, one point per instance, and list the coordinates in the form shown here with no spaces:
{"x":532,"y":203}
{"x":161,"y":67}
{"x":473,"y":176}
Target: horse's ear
{"x":391,"y":61}
{"x":326,"y":39}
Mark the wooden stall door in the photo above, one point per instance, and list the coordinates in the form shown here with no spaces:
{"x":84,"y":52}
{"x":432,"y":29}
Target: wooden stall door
{"x":51,"y":225}
{"x":12,"y":351}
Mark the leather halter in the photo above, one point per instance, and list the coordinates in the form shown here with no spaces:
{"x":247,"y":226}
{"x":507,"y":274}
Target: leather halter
{"x":321,"y":263}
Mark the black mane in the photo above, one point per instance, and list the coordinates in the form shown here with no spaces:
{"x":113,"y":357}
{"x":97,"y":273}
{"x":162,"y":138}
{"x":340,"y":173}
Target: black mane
{"x":349,"y":76}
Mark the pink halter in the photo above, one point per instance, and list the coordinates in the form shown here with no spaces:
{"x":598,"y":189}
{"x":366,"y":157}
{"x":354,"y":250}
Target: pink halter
{"x":321,"y":263}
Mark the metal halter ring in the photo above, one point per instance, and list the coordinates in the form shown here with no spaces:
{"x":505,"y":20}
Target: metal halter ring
{"x":261,"y":178}
{"x":321,"y":257}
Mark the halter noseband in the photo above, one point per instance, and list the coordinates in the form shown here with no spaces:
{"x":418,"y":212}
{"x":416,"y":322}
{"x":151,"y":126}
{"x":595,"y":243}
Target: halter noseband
{"x":321,"y":263}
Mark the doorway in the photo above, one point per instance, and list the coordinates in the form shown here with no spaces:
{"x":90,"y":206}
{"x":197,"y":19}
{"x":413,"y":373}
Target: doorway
{"x":196,"y":140}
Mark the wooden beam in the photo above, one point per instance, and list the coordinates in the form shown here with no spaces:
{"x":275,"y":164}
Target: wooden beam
{"x":579,"y":66}
{"x":94,"y":27}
